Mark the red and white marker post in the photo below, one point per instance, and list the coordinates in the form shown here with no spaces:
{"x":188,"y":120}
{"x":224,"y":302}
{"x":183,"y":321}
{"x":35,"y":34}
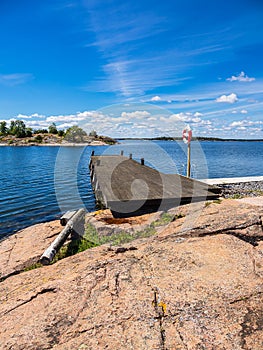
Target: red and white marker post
{"x":187,"y":136}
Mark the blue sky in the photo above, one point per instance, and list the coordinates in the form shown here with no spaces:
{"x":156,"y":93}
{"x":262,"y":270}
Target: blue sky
{"x":134,"y":68}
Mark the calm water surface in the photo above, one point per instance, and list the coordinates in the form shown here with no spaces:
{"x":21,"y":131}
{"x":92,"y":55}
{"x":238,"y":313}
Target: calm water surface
{"x":37,"y":184}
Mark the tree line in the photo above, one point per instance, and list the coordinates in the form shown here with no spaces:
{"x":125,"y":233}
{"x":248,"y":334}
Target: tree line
{"x":19,"y":129}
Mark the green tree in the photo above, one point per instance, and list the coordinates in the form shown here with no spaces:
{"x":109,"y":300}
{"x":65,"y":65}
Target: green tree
{"x":38,"y":138}
{"x":40,"y":131}
{"x":29,"y":132}
{"x":17,"y":128}
{"x":52,"y":129}
{"x":75,"y":134}
{"x":93,"y":133}
{"x":3,"y":128}
{"x":12,"y":128}
{"x":61,"y":132}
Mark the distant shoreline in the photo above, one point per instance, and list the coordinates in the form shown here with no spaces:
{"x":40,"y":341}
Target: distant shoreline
{"x":193,"y":139}
{"x":102,"y":143}
{"x":71,"y":144}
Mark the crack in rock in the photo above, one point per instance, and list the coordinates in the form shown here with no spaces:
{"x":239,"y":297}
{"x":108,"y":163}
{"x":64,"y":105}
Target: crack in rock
{"x":3,"y":278}
{"x":160,"y":309}
{"x":245,"y":298}
{"x":124,"y":249}
{"x":20,"y":269}
{"x":182,"y":339}
{"x":199,"y":232}
{"x":53,"y":235}
{"x":11,"y":250}
{"x":117,"y":283}
{"x":43,"y":291}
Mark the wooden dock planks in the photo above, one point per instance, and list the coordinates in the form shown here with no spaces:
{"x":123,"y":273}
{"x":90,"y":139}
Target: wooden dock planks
{"x":129,"y":188}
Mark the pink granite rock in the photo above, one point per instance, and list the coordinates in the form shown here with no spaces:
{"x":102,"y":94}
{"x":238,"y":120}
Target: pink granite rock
{"x":26,"y":246}
{"x":172,"y":291}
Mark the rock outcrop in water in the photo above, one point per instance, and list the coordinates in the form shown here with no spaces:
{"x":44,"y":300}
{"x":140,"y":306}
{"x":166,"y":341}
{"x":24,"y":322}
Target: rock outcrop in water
{"x":196,"y":284}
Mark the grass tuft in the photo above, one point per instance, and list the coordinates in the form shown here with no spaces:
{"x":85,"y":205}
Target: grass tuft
{"x":32,"y":267}
{"x":164,"y":220}
{"x":92,"y":239}
{"x":117,"y":238}
{"x":215,"y":201}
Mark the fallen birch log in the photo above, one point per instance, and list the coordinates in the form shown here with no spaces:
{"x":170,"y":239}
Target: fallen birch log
{"x":74,"y":226}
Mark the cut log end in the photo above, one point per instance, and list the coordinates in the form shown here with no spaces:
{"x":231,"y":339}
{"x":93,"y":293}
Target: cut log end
{"x":74,"y":226}
{"x":44,"y":260}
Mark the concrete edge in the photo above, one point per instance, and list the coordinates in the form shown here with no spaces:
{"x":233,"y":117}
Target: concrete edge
{"x":231,"y":180}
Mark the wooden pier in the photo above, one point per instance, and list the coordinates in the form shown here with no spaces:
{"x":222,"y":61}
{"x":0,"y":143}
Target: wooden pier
{"x":129,"y":188}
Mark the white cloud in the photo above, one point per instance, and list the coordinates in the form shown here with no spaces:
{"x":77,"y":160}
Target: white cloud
{"x":197,"y":114}
{"x":241,"y":77}
{"x":196,"y":120}
{"x":36,"y":124}
{"x":31,"y":116}
{"x":94,"y":115}
{"x":150,"y":121}
{"x":156,"y":98}
{"x":15,"y":79}
{"x":242,"y":128}
{"x":186,"y":118}
{"x":67,"y":125}
{"x":136,"y":114}
{"x":246,"y":123}
{"x":118,"y":38}
{"x":64,"y":118}
{"x":227,"y":98}
{"x":243,"y":111}
{"x":238,"y":123}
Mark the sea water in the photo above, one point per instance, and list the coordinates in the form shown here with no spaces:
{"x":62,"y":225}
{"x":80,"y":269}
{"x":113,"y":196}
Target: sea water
{"x":39,"y":183}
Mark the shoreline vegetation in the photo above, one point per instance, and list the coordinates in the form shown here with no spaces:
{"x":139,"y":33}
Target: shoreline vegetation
{"x":17,"y":134}
{"x":100,"y":140}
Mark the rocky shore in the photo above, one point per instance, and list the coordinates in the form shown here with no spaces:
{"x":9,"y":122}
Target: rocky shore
{"x":55,"y":144}
{"x":242,"y":189}
{"x":191,"y":278}
{"x":48,"y":139}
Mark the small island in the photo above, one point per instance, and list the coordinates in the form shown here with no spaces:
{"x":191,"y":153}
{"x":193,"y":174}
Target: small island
{"x":18,"y":134}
